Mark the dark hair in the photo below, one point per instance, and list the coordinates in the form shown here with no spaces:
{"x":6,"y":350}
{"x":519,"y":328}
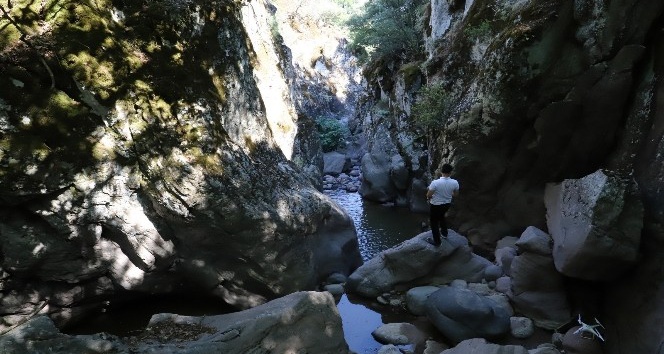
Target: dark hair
{"x":446,"y":169}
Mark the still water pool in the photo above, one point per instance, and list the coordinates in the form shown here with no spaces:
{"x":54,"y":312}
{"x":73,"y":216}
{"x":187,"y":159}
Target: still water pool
{"x":378,"y":228}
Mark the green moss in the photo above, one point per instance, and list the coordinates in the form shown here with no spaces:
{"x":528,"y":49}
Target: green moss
{"x":210,"y":162}
{"x":151,"y":64}
{"x":411,"y":72}
{"x":64,"y":109}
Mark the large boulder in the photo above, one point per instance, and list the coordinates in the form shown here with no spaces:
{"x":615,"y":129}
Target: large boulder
{"x":299,"y":322}
{"x":416,"y":262}
{"x":537,"y":289}
{"x":334,"y":163}
{"x":596,"y":224}
{"x":376,"y":182}
{"x":461,"y":314}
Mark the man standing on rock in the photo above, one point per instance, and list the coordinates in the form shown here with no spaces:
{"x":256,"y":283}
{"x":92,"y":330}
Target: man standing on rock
{"x":440,"y":194}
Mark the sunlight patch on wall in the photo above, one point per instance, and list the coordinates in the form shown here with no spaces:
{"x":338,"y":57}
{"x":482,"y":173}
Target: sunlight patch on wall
{"x":38,"y":249}
{"x":279,"y":107}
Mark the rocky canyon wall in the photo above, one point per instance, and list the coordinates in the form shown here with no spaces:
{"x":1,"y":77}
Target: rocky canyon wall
{"x":148,"y":146}
{"x":539,"y":92}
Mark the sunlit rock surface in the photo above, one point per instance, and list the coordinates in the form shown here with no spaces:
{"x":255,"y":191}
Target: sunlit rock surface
{"x":596,"y":225}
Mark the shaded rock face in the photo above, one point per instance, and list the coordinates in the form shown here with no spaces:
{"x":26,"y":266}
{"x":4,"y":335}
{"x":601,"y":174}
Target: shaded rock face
{"x":149,"y":156}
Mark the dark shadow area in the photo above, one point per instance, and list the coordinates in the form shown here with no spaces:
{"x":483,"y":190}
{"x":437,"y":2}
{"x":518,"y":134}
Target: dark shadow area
{"x":129,"y":313}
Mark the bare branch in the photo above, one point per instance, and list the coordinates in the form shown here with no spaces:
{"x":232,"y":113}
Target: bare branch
{"x":23,"y":38}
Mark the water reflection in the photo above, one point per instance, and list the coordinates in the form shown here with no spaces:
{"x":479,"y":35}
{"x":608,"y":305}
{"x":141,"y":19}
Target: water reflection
{"x":378,"y":227}
{"x":358,"y":323}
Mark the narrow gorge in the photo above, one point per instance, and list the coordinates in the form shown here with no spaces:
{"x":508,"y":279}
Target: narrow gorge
{"x":162,"y":147}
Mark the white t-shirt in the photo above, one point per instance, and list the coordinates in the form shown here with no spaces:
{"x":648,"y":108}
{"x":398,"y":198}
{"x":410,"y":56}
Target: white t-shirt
{"x":442,"y":189}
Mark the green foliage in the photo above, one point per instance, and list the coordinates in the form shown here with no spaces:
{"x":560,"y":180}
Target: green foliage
{"x":388,"y":29}
{"x":481,"y":30}
{"x":332,"y":133}
{"x":432,"y":107}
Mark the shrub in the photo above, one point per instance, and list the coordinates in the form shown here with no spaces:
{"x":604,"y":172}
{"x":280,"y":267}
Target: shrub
{"x":332,"y":133}
{"x":431,"y":107}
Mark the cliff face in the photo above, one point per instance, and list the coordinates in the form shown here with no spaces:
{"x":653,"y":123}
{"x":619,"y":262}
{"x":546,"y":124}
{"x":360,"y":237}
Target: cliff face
{"x":147,"y":146}
{"x":539,"y":91}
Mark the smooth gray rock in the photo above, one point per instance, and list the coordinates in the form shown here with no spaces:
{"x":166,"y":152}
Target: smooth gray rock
{"x":377,"y":184}
{"x":507,"y":241}
{"x":504,"y":257}
{"x":546,"y":348}
{"x":335,"y":163}
{"x":416,"y":299}
{"x":39,"y":335}
{"x":493,"y":272}
{"x":396,"y":333}
{"x":336,"y":278}
{"x":536,"y":241}
{"x":334,"y":289}
{"x":538,"y":291}
{"x":418,"y":202}
{"x":433,"y":347}
{"x":460,"y":314}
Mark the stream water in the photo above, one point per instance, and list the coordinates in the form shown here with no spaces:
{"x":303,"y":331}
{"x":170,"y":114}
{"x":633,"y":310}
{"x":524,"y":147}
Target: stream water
{"x":378,"y":228}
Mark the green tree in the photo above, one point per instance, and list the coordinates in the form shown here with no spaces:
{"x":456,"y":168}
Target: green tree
{"x":431,"y":109}
{"x":388,"y":29}
{"x":332,"y":133}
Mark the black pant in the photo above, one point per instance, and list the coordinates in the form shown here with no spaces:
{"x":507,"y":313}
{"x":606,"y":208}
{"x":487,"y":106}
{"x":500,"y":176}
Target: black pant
{"x":437,"y":220}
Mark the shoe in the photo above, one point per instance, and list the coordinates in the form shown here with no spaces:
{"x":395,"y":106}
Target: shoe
{"x":430,"y":241}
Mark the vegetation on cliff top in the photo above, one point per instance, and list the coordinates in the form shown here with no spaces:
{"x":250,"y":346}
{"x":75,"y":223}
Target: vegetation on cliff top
{"x":388,"y":29}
